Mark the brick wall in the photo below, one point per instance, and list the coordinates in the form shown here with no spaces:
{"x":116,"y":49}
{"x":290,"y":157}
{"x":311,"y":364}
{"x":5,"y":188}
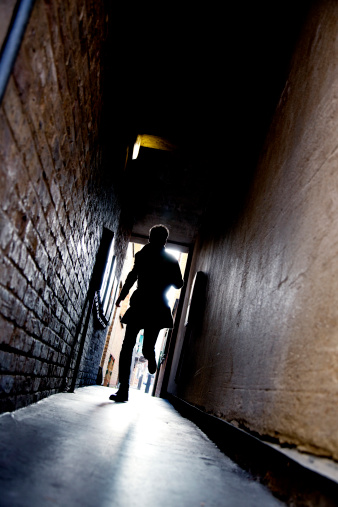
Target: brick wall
{"x":54,"y":200}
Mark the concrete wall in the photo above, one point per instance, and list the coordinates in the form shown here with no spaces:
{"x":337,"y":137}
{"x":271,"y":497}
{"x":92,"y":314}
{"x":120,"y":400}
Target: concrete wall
{"x":265,"y":355}
{"x":55,"y":200}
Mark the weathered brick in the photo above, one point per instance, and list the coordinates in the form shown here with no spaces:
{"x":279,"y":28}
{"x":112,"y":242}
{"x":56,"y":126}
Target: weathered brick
{"x":43,"y":193}
{"x":38,"y":366}
{"x":59,"y":309}
{"x":33,"y":325}
{"x":6,"y":188}
{"x":11,"y":308}
{"x":44,"y":370}
{"x":50,"y":338}
{"x":17,"y":283}
{"x":37,"y":348}
{"x":41,"y":258}
{"x":6,"y":383}
{"x":6,"y":150}
{"x":5,"y":271}
{"x":18,"y":252}
{"x":36,"y":384}
{"x":38,"y":283}
{"x":51,"y":221}
{"x":50,"y":246}
{"x":6,"y":231}
{"x":31,"y":239}
{"x":55,"y":325}
{"x":29,"y":269}
{"x":8,"y":361}
{"x":21,"y":341}
{"x":55,"y":193}
{"x":7,"y":329}
{"x":31,"y":298}
{"x":22,"y":364}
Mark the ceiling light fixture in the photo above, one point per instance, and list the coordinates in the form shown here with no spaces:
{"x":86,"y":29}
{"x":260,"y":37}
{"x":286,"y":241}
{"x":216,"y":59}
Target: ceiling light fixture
{"x":136,"y":148}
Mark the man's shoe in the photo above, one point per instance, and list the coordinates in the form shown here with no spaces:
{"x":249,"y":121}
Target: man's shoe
{"x":119,"y":397}
{"x":152,"y":364}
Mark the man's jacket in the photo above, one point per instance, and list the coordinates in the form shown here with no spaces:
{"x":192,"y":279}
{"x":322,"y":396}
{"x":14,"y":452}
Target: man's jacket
{"x":155,"y":272}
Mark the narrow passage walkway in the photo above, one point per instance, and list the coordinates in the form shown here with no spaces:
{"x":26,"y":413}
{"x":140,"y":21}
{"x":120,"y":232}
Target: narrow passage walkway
{"x":83,"y":450}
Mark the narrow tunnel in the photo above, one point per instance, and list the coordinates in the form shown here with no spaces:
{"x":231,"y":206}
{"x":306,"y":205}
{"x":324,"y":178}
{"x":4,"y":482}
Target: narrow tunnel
{"x":221,"y":125}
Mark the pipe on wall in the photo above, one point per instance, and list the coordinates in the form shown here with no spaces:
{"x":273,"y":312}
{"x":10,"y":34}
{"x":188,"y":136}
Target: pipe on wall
{"x":13,"y":41}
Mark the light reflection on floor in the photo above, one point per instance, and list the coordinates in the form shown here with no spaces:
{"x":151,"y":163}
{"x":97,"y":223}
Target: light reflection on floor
{"x":82,"y":449}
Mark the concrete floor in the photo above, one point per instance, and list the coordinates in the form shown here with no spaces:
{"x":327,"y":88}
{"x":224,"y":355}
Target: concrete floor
{"x":82,"y":449}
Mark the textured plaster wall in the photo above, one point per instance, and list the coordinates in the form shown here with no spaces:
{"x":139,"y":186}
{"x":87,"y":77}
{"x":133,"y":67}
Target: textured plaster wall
{"x":55,"y":200}
{"x":265,"y":355}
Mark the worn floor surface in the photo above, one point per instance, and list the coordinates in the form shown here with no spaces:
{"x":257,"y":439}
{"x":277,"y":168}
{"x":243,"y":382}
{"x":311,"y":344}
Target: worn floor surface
{"x":83,"y":450}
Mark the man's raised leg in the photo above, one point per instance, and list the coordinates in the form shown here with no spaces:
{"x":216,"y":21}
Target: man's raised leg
{"x":148,"y":349}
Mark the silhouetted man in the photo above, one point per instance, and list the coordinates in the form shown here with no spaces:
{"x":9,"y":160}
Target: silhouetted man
{"x":155,"y":272}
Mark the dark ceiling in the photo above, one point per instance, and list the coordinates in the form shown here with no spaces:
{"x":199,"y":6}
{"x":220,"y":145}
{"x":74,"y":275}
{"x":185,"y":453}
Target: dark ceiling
{"x":206,"y":78}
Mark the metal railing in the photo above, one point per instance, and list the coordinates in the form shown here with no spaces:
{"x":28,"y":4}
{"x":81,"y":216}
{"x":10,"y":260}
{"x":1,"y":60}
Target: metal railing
{"x":12,"y":42}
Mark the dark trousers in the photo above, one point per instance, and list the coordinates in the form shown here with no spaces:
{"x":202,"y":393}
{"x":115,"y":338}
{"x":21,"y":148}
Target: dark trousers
{"x":149,"y":340}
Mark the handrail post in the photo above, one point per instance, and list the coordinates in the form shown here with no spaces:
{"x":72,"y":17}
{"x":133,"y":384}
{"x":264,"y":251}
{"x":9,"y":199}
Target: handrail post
{"x":13,"y":41}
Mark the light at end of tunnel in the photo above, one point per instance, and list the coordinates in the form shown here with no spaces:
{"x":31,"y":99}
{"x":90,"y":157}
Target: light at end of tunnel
{"x":136,"y":148}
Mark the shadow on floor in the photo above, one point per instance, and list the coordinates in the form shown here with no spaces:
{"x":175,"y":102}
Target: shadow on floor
{"x":81,"y":449}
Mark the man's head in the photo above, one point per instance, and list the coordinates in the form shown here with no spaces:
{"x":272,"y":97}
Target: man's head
{"x":158,"y":235}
